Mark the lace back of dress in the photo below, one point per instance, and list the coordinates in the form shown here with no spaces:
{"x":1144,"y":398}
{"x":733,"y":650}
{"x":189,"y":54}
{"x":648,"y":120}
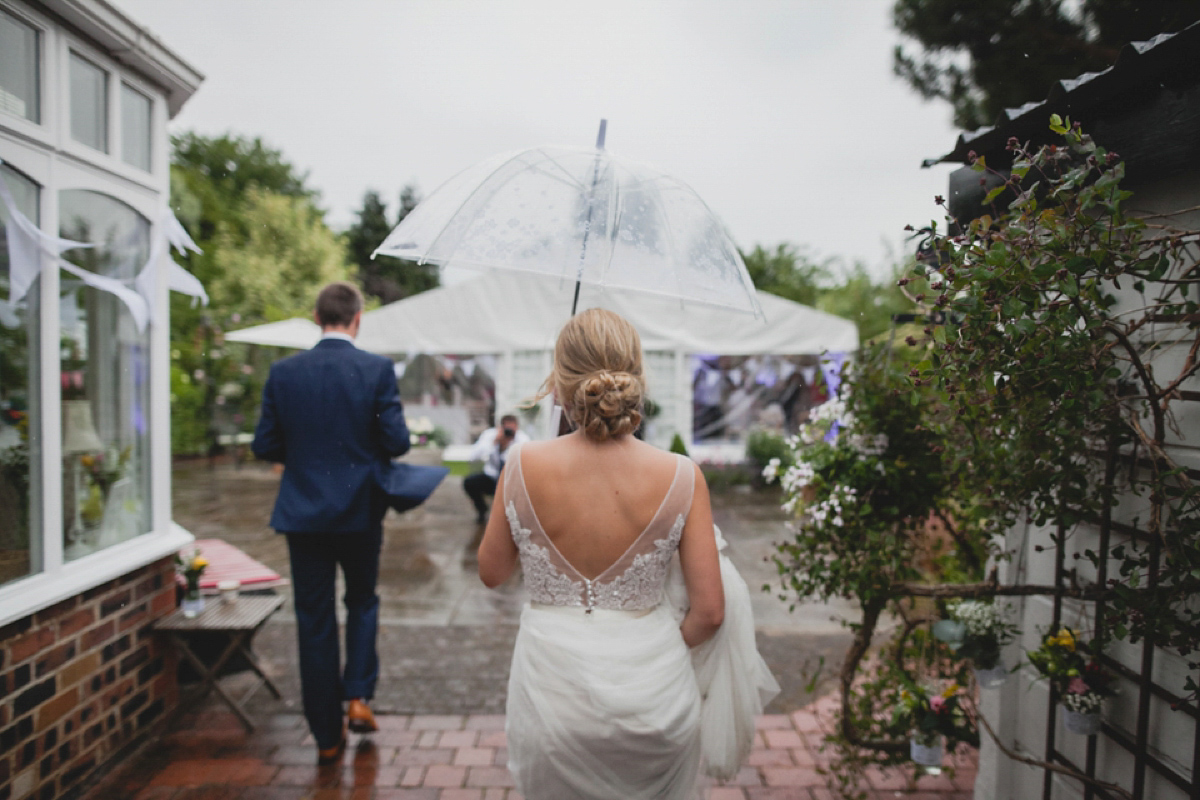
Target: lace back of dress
{"x":633,"y":582}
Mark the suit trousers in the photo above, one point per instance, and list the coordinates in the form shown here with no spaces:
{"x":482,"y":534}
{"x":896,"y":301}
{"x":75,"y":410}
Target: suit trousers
{"x":478,"y":486}
{"x":324,"y":684}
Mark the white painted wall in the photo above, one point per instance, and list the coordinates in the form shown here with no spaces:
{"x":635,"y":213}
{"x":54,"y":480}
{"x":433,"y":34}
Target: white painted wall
{"x":1018,"y":709}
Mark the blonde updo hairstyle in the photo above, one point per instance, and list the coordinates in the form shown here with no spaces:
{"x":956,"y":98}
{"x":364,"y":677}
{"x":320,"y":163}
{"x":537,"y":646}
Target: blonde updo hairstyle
{"x":597,"y":375}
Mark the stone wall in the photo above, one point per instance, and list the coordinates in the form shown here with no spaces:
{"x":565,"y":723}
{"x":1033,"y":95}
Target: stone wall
{"x":81,"y":679}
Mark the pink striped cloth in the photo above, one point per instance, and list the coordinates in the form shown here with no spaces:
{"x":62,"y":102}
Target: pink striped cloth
{"x":226,"y":562}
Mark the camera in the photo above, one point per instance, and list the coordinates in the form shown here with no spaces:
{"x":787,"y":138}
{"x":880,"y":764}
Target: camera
{"x":508,"y":433}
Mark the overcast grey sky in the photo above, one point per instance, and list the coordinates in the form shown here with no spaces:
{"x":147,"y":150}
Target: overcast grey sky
{"x":783,"y":115}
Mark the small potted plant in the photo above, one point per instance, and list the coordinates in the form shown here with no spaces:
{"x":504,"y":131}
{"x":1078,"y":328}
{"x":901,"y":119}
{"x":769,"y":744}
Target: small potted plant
{"x":975,"y":631}
{"x":192,"y":568}
{"x":935,"y":721}
{"x":1080,"y":681}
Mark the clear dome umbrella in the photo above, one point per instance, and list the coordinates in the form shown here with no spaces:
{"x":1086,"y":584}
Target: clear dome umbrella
{"x":583,"y":215}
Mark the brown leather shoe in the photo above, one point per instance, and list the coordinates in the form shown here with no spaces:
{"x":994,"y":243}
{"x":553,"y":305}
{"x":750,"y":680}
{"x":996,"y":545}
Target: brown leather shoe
{"x":332,"y":755}
{"x":361,"y":720}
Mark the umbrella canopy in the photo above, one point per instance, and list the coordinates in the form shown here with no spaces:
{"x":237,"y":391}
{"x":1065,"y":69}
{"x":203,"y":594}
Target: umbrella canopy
{"x":579,"y":214}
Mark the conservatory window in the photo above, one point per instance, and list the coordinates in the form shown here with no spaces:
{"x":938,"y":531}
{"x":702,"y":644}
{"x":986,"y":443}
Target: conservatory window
{"x":105,"y":380}
{"x":20,"y":423}
{"x":19,"y":53}
{"x":135,"y":127}
{"x":89,"y":104}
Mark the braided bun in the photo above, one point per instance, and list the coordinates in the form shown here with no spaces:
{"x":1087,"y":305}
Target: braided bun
{"x":608,"y":404}
{"x":597,"y":374}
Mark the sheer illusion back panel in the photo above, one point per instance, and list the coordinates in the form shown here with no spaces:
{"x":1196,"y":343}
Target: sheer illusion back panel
{"x":632,"y":583}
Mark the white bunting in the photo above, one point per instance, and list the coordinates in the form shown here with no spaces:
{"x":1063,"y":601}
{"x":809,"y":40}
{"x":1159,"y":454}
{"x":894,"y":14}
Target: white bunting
{"x":27,"y":243}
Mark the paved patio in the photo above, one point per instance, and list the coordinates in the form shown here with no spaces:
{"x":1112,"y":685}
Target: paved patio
{"x":208,"y":756}
{"x":446,"y":644}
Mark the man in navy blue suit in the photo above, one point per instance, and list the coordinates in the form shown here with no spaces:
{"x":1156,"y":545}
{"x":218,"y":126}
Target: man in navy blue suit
{"x":331,"y":416}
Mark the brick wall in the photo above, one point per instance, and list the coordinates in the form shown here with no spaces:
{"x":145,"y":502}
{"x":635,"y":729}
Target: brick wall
{"x":81,"y":679}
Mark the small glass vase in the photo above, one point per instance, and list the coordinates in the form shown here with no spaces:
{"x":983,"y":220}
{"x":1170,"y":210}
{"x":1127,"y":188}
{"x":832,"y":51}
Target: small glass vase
{"x":991,"y":678}
{"x":929,"y":755}
{"x":1079,"y":722}
{"x":193,"y":600}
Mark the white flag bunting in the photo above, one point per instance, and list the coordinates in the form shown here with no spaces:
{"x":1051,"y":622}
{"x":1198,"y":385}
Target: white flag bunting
{"x":27,"y":243}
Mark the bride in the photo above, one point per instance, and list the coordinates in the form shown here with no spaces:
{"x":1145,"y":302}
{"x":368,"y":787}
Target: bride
{"x":603,"y":700}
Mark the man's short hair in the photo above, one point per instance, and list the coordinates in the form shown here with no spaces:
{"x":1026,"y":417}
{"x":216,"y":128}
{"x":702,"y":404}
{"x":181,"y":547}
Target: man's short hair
{"x":337,"y":304}
{"x":509,"y":418}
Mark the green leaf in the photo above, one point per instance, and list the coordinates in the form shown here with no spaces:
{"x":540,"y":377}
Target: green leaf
{"x":994,"y":193}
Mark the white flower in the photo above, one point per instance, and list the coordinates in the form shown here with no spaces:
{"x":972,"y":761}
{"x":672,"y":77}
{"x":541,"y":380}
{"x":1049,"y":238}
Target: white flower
{"x":866,"y":444}
{"x":1086,"y":703}
{"x":797,"y":476}
{"x":771,"y":470}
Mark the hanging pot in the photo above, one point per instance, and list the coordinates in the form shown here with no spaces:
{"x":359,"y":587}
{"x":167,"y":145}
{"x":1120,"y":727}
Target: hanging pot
{"x":1077,"y":722}
{"x":991,"y":678}
{"x":927,"y":755}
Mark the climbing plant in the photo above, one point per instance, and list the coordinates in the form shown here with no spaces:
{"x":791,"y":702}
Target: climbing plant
{"x":1041,"y":367}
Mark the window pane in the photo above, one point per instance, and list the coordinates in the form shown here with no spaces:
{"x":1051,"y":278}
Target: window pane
{"x":89,"y":104}
{"x":105,"y":379}
{"x":135,"y":128}
{"x":19,"y":68}
{"x":20,"y":420}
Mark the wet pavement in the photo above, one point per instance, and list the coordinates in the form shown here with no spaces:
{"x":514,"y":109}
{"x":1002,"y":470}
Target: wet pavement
{"x":445,"y":639}
{"x":208,"y":756}
{"x":445,"y":644}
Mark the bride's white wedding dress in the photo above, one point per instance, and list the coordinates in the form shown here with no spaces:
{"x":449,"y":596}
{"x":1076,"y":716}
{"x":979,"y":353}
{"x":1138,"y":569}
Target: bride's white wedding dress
{"x":603,"y":696}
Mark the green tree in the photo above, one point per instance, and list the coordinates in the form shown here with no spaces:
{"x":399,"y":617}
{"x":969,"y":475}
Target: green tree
{"x":983,"y":56}
{"x":273,"y":270}
{"x":848,"y":293}
{"x":787,"y":272}
{"x":386,"y":278}
{"x":864,"y":301}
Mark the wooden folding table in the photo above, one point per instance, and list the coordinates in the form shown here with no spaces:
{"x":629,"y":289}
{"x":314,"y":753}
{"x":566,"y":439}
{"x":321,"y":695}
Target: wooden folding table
{"x":239,"y":622}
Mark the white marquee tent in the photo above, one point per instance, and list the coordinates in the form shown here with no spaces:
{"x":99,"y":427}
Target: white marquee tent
{"x":516,"y":319}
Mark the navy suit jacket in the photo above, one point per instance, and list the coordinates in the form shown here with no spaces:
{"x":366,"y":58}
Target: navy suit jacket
{"x":331,"y":416}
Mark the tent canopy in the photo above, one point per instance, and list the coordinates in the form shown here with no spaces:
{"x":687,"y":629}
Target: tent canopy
{"x":503,"y":312}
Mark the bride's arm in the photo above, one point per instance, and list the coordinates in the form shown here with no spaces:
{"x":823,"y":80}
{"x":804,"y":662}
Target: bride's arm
{"x":701,"y":570}
{"x":497,"y":551}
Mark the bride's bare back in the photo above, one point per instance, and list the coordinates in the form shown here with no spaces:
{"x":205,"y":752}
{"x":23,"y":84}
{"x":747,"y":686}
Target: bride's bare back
{"x":594,"y":500}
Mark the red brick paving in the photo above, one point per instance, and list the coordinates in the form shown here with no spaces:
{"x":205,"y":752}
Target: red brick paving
{"x":207,"y":756}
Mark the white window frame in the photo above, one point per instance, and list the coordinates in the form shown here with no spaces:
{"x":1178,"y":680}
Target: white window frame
{"x":47,"y":77}
{"x":56,"y":162}
{"x":111,"y":161}
{"x":126,"y":81}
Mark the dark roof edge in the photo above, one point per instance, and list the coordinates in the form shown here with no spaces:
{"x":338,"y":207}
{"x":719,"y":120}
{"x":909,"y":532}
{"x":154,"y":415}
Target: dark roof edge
{"x":1082,"y":91}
